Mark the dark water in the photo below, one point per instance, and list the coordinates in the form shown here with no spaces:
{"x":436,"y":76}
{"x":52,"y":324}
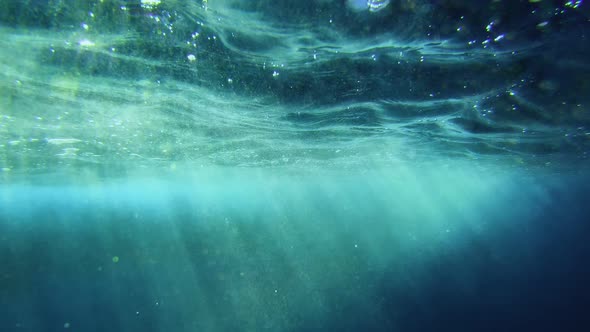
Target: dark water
{"x":321,"y":165}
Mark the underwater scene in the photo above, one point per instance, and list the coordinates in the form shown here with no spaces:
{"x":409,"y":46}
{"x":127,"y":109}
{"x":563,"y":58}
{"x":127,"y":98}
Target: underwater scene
{"x":294,"y":165}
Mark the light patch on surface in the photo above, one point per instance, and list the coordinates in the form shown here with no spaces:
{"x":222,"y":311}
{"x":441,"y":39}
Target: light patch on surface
{"x":60,"y":141}
{"x":86,"y":43}
{"x":68,"y":152}
{"x":150,"y":4}
{"x":357,"y":5}
{"x":371,"y":5}
{"x":377,"y":5}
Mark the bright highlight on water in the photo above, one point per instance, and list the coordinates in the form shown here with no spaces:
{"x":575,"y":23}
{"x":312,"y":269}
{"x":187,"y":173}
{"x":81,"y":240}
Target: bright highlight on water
{"x":371,"y":5}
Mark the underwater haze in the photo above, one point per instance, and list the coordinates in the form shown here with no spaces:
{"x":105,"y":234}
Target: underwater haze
{"x":294,"y":165}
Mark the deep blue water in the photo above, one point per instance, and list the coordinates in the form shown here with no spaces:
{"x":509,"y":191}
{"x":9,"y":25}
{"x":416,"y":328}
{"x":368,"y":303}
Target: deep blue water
{"x":321,"y":165}
{"x":314,"y":254}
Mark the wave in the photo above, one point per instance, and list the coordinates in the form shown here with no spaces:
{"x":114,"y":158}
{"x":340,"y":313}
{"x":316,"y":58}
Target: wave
{"x":272,"y":83}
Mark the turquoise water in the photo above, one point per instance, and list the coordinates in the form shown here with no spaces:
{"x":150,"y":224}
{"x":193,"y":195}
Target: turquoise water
{"x":317,"y":165}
